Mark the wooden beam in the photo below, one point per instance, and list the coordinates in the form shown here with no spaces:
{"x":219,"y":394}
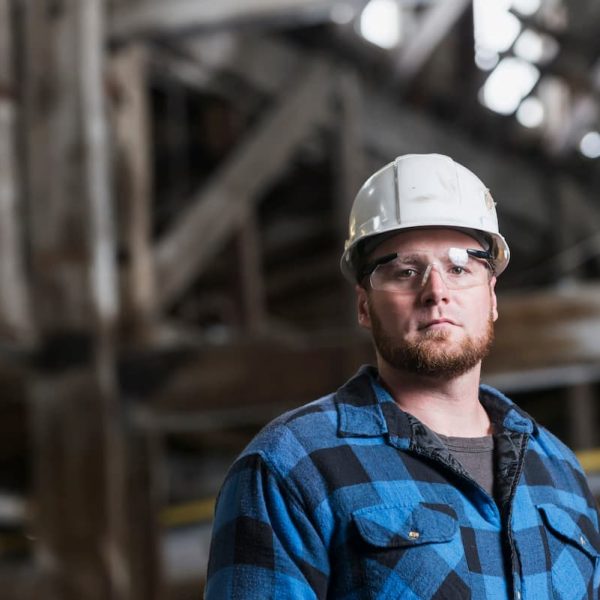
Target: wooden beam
{"x":582,"y":414}
{"x":579,"y":216}
{"x":79,"y":459}
{"x":280,"y":373}
{"x":386,"y":131}
{"x":268,"y":65}
{"x":69,"y":454}
{"x":222,"y":206}
{"x":15,"y":315}
{"x":71,"y":212}
{"x":550,"y":328}
{"x":131,"y":119}
{"x":146,"y":490}
{"x":542,"y":340}
{"x":436,"y":24}
{"x":23,"y":583}
{"x":350,"y":169}
{"x":251,"y":276}
{"x":155,"y":18}
{"x":287,"y":281}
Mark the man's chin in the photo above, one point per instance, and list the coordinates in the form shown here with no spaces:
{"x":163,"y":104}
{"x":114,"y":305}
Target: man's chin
{"x":436,"y":353}
{"x":435,"y":338}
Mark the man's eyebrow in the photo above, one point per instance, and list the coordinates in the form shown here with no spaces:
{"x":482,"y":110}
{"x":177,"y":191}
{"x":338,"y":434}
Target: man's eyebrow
{"x":409,"y":256}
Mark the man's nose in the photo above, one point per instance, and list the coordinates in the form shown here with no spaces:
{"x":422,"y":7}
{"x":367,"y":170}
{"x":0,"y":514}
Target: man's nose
{"x":433,"y":286}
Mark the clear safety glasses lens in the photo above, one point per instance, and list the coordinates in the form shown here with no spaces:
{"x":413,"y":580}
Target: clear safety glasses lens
{"x":459,"y":268}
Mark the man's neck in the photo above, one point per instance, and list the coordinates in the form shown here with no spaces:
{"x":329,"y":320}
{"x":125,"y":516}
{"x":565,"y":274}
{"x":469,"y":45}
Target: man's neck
{"x":447,"y":406}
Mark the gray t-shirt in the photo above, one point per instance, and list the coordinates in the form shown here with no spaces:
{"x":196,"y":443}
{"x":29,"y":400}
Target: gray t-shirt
{"x":476,"y":455}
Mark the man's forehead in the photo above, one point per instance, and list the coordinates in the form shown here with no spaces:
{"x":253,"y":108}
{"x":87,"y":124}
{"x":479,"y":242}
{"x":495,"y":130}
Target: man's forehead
{"x":426,"y":239}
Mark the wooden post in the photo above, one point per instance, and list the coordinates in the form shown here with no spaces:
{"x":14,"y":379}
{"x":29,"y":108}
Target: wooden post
{"x":79,"y":453}
{"x":350,"y":172}
{"x":15,"y":316}
{"x":350,"y":167}
{"x":146,"y":490}
{"x":583,"y":416}
{"x":251,"y":276}
{"x":131,"y":121}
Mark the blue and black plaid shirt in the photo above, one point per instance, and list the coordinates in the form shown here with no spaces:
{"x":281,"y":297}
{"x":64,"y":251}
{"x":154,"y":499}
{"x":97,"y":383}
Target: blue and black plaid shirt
{"x":351,"y":498}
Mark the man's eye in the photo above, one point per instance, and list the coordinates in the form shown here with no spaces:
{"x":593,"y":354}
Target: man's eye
{"x":404,"y":273}
{"x":456,"y":270}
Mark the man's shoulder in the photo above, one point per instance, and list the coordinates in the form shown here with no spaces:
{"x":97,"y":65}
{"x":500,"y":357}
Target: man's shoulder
{"x":294,"y":434}
{"x":318,"y":424}
{"x":555,"y":449}
{"x":543,"y":441}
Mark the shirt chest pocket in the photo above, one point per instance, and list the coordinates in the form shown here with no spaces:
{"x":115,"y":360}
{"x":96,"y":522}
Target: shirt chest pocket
{"x":413,"y":549}
{"x":572,"y":552}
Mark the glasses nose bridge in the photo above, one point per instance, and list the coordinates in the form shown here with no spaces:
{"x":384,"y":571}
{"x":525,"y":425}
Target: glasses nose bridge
{"x":433,"y":265}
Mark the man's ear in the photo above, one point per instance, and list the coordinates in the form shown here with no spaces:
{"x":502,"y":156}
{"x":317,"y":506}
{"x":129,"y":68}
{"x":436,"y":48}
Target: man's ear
{"x":362,"y":301}
{"x":493,"y":298}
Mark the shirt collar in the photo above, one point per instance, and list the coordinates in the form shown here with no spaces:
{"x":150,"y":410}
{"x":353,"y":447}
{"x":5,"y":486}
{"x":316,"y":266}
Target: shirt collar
{"x":366,"y":409}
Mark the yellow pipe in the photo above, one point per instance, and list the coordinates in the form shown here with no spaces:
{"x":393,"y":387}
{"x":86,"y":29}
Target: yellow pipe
{"x":590,"y":460}
{"x":188,"y":513}
{"x":202,"y":510}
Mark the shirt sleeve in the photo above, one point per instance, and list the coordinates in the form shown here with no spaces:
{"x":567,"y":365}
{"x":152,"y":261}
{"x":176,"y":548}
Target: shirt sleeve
{"x":264,"y":545}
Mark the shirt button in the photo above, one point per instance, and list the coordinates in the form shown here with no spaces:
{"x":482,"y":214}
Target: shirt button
{"x":582,"y":540}
{"x":413,"y":535}
{"x":518,"y":595}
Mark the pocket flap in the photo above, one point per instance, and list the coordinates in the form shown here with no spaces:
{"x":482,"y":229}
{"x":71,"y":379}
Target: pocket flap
{"x":402,"y":525}
{"x":572,"y":526}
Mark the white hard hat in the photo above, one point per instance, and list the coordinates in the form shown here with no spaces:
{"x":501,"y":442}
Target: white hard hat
{"x":423,"y":190}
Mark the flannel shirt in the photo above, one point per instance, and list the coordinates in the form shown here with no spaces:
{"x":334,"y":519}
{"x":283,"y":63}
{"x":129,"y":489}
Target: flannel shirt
{"x":349,"y":497}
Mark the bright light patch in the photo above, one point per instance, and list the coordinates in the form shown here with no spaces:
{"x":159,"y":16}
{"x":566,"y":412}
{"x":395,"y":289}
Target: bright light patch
{"x":535,"y":47}
{"x":508,"y":84}
{"x":495,"y":27}
{"x":530,"y":46}
{"x":531,"y":112}
{"x":380,"y":23}
{"x":342,"y":14}
{"x":526,"y":7}
{"x":486,"y":60}
{"x":590,"y":144}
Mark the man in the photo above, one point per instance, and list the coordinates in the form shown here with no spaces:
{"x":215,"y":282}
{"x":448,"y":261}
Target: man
{"x":412,"y":480}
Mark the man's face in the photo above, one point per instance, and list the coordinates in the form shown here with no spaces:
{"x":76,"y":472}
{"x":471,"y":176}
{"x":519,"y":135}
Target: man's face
{"x":435,"y":330}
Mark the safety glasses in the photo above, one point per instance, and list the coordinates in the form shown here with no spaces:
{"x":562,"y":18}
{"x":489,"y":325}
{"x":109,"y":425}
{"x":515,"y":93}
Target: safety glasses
{"x":408,"y":272}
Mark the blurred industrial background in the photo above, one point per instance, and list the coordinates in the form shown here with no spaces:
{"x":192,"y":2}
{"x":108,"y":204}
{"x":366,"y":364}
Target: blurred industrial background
{"x":175,"y":178}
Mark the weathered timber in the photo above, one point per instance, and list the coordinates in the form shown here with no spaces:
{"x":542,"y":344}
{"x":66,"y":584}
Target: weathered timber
{"x":436,"y":24}
{"x":260,"y":373}
{"x":70,"y":454}
{"x":387,"y":130}
{"x":582,"y":415}
{"x":268,"y":65}
{"x":251,"y":276}
{"x":15,"y":317}
{"x":551,"y":328}
{"x":285,"y":280}
{"x":542,"y":340}
{"x":350,"y":165}
{"x":56,"y":166}
{"x":576,"y":229}
{"x":350,"y":170}
{"x":22,"y":583}
{"x":78,"y":456}
{"x":222,"y":206}
{"x":131,"y":121}
{"x":155,"y":18}
{"x":146,"y":493}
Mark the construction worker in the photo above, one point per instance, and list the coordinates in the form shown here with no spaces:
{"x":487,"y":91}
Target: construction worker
{"x":413,"y":480}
